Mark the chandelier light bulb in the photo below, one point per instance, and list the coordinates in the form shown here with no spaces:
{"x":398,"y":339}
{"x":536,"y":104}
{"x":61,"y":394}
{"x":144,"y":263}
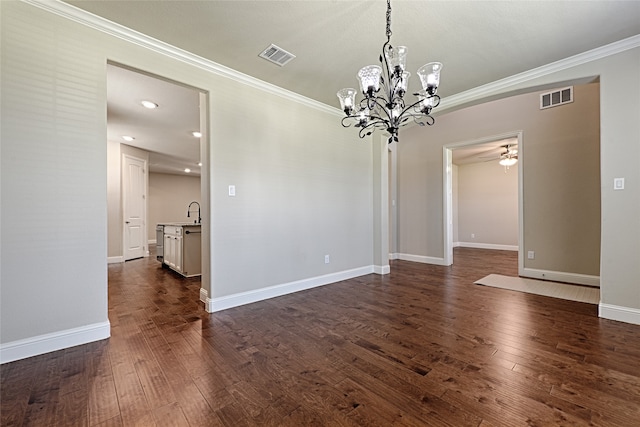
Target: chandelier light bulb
{"x":430,"y":76}
{"x":397,"y":58}
{"x":370,"y":79}
{"x":347,"y":97}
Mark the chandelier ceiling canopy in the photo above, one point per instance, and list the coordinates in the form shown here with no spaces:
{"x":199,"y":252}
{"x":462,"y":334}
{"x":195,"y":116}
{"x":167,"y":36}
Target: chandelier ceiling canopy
{"x":383,"y":88}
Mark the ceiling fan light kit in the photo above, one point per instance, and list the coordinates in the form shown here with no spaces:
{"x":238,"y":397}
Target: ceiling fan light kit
{"x":384,"y":86}
{"x":509,"y":157}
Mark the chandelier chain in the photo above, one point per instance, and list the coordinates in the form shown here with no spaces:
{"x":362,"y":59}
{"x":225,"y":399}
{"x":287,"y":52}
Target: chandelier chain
{"x":388,"y":21}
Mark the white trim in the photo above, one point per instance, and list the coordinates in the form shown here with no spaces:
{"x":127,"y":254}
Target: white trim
{"x":393,"y":256}
{"x":46,"y":343}
{"x":560,"y":276}
{"x":621,"y":314}
{"x":152,"y":242}
{"x":486,"y":246}
{"x":497,"y":86}
{"x":222,"y":303}
{"x":80,"y":16}
{"x":447,"y":206}
{"x":204,"y":295}
{"x":421,"y":258}
{"x":382,"y":269}
{"x":115,"y":259}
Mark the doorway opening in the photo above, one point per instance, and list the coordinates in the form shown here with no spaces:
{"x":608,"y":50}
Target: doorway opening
{"x":157,"y":150}
{"x":497,"y":227}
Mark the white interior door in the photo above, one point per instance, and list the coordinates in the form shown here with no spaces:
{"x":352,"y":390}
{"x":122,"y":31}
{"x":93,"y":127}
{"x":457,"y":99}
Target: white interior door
{"x":134,"y":212}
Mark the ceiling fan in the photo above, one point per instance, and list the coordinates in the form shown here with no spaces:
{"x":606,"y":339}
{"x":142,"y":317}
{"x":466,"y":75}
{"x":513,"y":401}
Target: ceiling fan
{"x":508,"y":155}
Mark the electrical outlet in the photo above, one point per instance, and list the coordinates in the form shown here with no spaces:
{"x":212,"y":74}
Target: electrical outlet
{"x":473,"y":235}
{"x":326,"y":259}
{"x":531,"y":255}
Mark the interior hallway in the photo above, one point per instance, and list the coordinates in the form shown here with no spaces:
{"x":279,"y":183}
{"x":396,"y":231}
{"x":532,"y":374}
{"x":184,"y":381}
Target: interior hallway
{"x":420,"y":346}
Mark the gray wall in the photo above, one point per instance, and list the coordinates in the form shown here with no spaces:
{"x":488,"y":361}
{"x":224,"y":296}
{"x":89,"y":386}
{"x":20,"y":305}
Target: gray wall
{"x":561,"y":188}
{"x":304,"y":184}
{"x":169,"y":197}
{"x":487,"y":204}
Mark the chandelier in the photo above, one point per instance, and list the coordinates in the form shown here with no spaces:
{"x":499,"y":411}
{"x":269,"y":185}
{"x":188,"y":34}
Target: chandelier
{"x":383,"y":105}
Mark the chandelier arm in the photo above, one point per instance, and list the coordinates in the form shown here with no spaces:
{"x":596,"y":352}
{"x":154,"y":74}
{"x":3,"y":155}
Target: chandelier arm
{"x":424,"y":119}
{"x":345,"y":120}
{"x":419,"y":118}
{"x":383,"y":106}
{"x":363,"y":132}
{"x":387,"y":72}
{"x":420,"y":101}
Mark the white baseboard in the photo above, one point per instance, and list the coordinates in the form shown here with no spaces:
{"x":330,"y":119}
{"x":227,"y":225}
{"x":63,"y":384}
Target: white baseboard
{"x":422,"y":259}
{"x":485,"y":246}
{"x":115,"y":259}
{"x":621,"y":314}
{"x":559,"y":276}
{"x":382,"y":269}
{"x":47,"y":343}
{"x":204,"y":295}
{"x":222,"y":303}
{"x":152,"y":242}
{"x":393,"y":256}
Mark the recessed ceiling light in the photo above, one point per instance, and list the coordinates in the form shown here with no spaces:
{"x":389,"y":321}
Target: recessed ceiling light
{"x":149,"y":104}
{"x":187,"y":170}
{"x":128,"y":138}
{"x":199,"y":163}
{"x":196,"y":134}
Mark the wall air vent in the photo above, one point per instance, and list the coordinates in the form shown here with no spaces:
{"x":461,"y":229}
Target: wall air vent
{"x":556,"y":97}
{"x":277,"y":55}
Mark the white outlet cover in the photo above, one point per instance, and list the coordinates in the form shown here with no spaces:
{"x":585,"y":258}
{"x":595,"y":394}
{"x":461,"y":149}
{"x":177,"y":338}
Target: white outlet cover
{"x":232,"y":190}
{"x":618,"y":183}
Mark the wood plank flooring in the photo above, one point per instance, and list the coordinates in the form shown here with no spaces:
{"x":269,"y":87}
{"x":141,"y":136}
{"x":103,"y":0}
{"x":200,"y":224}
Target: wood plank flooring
{"x":421,"y":346}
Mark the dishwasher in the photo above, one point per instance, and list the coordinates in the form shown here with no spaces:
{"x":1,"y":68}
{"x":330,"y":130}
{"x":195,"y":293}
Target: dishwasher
{"x":160,"y":242}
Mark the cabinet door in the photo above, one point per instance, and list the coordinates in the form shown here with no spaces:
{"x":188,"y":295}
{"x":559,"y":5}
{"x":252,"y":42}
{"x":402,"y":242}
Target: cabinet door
{"x":169,"y":250}
{"x":177,"y":254}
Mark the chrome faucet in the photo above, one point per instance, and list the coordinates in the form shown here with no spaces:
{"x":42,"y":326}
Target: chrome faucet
{"x":189,"y":212}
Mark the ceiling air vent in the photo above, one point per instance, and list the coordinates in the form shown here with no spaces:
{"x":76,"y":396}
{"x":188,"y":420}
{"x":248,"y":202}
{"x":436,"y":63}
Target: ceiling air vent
{"x":557,"y":97}
{"x":277,"y":55}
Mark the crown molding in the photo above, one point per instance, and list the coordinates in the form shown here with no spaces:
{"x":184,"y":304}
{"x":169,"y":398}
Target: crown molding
{"x":88,"y":19}
{"x":96,"y":22}
{"x":493,"y":88}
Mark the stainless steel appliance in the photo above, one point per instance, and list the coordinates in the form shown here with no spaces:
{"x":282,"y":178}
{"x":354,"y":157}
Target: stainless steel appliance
{"x":160,"y":242}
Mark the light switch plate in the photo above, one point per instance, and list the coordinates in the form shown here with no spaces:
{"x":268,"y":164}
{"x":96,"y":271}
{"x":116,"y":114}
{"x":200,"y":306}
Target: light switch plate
{"x":232,"y":190}
{"x":618,"y":183}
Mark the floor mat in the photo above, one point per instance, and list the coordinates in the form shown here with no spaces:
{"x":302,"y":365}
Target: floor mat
{"x":541,"y":287}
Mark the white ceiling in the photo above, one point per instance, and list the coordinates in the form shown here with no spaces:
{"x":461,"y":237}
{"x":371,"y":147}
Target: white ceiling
{"x":166,"y":131}
{"x":485,"y":152}
{"x":477,"y":41}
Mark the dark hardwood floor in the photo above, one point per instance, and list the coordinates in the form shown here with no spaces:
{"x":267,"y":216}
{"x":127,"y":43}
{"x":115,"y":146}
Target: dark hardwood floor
{"x":421,"y":346}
